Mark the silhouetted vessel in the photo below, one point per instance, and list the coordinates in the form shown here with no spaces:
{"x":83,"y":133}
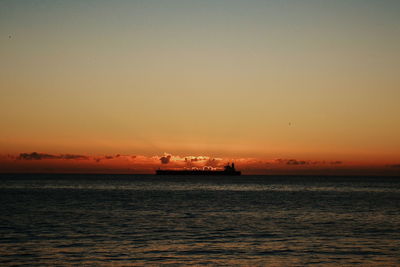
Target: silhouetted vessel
{"x":228,"y":170}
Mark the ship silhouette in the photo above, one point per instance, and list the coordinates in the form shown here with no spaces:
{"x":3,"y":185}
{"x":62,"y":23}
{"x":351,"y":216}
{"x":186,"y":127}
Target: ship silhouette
{"x":228,"y":170}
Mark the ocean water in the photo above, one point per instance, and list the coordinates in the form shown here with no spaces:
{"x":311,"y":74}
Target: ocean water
{"x":140,"y":220}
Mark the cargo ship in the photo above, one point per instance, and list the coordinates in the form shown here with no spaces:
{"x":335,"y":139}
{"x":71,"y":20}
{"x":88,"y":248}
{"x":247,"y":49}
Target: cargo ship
{"x":228,"y":170}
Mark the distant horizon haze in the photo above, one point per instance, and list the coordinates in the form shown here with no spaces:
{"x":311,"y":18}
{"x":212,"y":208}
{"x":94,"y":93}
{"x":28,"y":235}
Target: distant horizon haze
{"x":35,"y":162}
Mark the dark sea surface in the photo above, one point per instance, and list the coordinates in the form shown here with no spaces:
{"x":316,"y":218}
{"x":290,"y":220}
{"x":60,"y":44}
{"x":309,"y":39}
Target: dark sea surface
{"x":124,"y":220}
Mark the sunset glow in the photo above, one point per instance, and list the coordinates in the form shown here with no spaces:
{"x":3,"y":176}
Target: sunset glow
{"x":275,"y":86}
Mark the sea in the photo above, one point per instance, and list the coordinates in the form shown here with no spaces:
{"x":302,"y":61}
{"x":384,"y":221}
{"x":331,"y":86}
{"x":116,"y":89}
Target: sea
{"x":148,"y":220}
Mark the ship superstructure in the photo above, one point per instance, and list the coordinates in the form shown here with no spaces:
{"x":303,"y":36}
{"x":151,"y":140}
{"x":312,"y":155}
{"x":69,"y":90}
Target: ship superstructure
{"x":228,"y":170}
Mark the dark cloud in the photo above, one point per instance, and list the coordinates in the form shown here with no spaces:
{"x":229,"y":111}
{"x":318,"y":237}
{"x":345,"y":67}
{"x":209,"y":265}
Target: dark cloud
{"x":394,"y":166}
{"x":72,"y":156}
{"x":40,"y":156}
{"x":35,"y":156}
{"x":296,"y":162}
{"x":306,"y":162}
{"x":165,"y":159}
{"x":317,"y":162}
{"x":195,"y":159}
{"x":280,"y":161}
{"x":108,"y":157}
{"x":292,"y":162}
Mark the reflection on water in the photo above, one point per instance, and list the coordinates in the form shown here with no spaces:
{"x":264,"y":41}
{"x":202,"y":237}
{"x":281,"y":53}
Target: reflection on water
{"x":249,"y":220}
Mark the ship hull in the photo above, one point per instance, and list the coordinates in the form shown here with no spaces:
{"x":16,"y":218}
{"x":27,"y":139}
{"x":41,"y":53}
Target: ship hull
{"x":197,"y":172}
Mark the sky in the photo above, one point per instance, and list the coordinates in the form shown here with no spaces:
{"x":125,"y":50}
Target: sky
{"x":261,"y":83}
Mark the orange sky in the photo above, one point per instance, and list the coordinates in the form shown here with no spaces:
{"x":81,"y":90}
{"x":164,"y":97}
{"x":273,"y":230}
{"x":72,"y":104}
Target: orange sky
{"x":131,"y":164}
{"x":250,"y":81}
